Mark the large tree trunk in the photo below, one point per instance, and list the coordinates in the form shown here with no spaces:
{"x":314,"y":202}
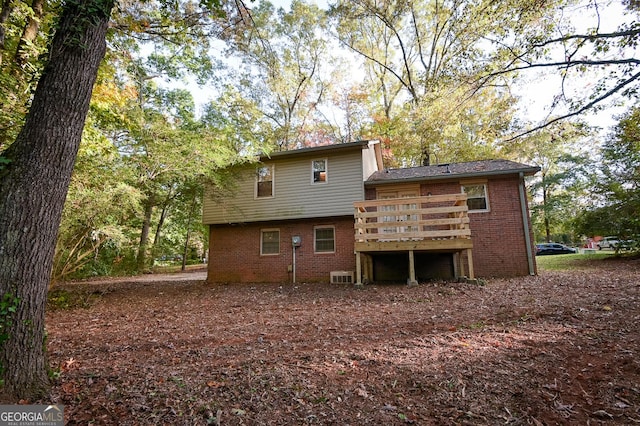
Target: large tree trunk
{"x":33,"y":188}
{"x":185,"y":252}
{"x":141,"y":260}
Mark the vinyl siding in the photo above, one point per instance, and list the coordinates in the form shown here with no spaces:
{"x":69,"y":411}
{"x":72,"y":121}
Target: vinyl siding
{"x":295,"y":197}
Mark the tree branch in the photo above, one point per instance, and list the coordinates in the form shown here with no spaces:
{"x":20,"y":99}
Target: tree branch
{"x":582,"y":109}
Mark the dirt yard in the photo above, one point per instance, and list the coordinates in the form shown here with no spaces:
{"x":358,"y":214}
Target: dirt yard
{"x":560,"y":348}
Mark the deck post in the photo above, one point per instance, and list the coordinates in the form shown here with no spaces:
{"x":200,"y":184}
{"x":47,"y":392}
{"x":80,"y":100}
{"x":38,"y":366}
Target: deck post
{"x":358,"y":270}
{"x":412,"y":269}
{"x":470,"y":260}
{"x":367,"y":268}
{"x":456,"y":264}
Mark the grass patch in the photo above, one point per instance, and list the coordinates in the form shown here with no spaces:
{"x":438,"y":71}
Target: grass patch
{"x":567,"y":262}
{"x":170,"y":269}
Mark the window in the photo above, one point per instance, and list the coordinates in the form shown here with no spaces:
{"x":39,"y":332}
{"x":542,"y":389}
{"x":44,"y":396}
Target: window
{"x":319,"y":171}
{"x":325,"y":239}
{"x":477,"y":199}
{"x":264,"y":182}
{"x":270,"y":241}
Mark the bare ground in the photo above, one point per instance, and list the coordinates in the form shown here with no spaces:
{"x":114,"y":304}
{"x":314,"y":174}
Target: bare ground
{"x":559,"y":348}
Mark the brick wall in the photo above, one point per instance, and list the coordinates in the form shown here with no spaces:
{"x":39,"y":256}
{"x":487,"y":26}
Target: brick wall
{"x":234,"y":254}
{"x":499,"y":248}
{"x":499,"y":243}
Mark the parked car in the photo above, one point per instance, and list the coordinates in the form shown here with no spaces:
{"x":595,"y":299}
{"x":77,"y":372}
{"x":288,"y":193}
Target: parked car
{"x":553,"y":248}
{"x":608,"y":242}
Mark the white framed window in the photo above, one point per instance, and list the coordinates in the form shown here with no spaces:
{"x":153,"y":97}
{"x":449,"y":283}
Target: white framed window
{"x":269,"y":242}
{"x":264,"y":182}
{"x":324,"y":239}
{"x":319,"y":171}
{"x":477,"y":198}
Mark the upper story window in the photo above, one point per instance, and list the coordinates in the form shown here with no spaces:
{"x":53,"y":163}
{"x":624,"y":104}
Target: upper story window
{"x":264,"y":182}
{"x":325,"y":239}
{"x":477,"y":199}
{"x":319,"y":171}
{"x":270,"y":241}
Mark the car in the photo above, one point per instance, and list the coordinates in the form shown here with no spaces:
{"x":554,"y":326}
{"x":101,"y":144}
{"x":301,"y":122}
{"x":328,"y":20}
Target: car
{"x":553,"y":248}
{"x":608,"y":242}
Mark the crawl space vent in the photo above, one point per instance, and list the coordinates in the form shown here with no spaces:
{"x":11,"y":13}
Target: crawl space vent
{"x":341,"y":277}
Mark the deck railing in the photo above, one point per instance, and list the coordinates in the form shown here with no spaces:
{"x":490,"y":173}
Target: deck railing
{"x":433,"y":217}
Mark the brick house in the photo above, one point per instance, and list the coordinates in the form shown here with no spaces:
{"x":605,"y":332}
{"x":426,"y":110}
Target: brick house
{"x":335,"y":213}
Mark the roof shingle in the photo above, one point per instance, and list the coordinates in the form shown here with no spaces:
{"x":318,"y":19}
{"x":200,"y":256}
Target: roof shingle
{"x":453,"y":170}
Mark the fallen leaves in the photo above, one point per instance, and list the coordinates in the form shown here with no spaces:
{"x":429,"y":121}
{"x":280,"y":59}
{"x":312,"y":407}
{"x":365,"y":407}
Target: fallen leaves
{"x":552,"y":349}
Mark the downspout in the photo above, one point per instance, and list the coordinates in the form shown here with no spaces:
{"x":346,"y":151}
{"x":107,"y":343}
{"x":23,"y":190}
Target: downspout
{"x":525,"y":225}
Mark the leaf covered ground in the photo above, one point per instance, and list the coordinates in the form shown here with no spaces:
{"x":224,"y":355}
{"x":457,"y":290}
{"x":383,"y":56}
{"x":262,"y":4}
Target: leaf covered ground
{"x":558,"y":348}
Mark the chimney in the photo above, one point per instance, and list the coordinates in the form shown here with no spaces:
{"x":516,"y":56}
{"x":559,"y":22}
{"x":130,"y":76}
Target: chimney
{"x":425,"y":157}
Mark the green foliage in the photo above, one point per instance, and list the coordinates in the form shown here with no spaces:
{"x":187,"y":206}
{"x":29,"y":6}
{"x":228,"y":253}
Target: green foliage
{"x":616,"y":211}
{"x":563,"y":182}
{"x":85,"y":14}
{"x":284,"y":60}
{"x":8,"y":307}
{"x":21,"y":62}
{"x":424,"y":90}
{"x":67,"y":299}
{"x":143,"y":157}
{"x":4,"y":162}
{"x":100,"y":205}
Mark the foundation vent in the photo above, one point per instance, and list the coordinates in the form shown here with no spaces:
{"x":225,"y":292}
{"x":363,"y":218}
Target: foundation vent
{"x":341,"y":277}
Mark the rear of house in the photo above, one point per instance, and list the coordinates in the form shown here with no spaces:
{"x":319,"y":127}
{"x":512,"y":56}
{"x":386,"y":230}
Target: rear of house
{"x":307,"y":194}
{"x":309,"y":215}
{"x":497,"y":210}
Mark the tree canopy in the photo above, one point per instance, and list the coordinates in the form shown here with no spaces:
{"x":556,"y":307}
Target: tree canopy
{"x":111,"y":181}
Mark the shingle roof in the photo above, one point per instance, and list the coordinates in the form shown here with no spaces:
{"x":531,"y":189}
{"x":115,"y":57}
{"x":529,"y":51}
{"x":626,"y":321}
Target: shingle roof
{"x":453,"y":170}
{"x":315,"y":149}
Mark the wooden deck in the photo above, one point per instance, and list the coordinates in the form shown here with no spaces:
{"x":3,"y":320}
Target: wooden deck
{"x":436,"y":223}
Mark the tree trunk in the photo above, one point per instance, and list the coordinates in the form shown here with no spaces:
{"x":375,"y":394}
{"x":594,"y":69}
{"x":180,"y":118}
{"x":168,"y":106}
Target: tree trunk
{"x":158,"y":235}
{"x":30,"y":32}
{"x":144,"y":235}
{"x":185,"y":252}
{"x":4,"y":17}
{"x":545,"y":212}
{"x":33,"y":188}
{"x":163,"y":217}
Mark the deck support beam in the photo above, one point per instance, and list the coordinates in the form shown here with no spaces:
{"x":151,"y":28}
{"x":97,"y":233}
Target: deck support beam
{"x":412,"y":269}
{"x":457,"y":263}
{"x":470,"y":263}
{"x":358,"y":269}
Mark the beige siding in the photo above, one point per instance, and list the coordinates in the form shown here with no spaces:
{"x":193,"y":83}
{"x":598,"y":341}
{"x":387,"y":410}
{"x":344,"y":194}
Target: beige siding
{"x":295,"y":196}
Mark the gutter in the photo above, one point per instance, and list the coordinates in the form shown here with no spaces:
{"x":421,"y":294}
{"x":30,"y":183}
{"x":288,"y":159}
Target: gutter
{"x":525,"y":225}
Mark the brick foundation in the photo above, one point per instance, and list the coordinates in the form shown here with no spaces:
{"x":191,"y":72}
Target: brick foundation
{"x":234,"y":254}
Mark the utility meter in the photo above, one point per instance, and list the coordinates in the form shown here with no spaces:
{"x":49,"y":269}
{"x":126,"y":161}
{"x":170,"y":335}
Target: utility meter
{"x":296,"y":240}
